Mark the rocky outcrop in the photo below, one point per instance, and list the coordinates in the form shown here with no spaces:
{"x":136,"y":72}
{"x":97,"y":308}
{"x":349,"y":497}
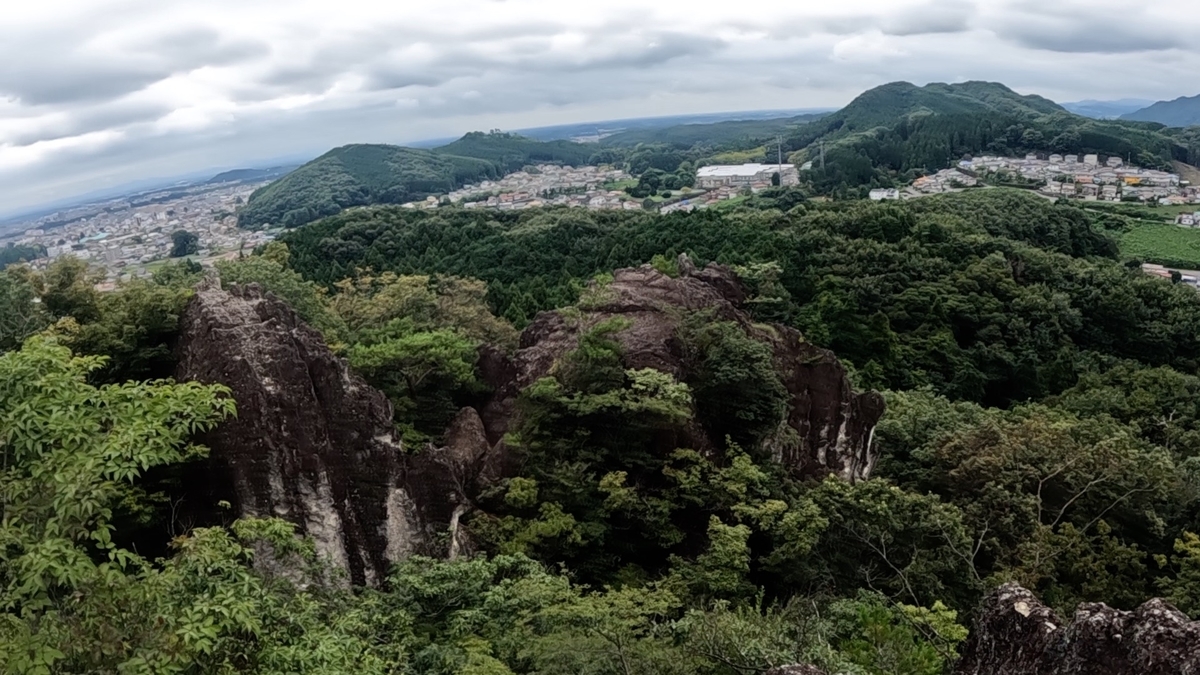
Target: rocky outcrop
{"x":1017,"y":635}
{"x":831,"y":426}
{"x":312,"y":442}
{"x":796,"y":669}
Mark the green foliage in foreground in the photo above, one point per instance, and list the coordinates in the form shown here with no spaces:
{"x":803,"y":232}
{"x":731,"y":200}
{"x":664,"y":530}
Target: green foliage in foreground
{"x":1042,"y":426}
{"x":72,"y":601}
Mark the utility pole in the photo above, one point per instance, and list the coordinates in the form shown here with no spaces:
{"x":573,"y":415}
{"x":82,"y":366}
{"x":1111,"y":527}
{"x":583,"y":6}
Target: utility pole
{"x":822,"y":153}
{"x":779,"y":144}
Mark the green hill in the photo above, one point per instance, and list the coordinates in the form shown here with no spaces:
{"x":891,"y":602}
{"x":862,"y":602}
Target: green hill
{"x":362,"y":174}
{"x":1182,"y":112}
{"x":886,"y":104}
{"x":897,"y":131}
{"x":510,"y":152}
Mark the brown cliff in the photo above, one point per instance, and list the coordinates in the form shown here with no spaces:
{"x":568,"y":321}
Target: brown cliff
{"x":832,"y":424}
{"x":312,"y":442}
{"x":1017,"y":635}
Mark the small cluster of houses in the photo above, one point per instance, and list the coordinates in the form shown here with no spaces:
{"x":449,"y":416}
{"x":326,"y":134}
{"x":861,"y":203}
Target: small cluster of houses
{"x":944,"y":181}
{"x":1089,"y":178}
{"x":705,"y":199}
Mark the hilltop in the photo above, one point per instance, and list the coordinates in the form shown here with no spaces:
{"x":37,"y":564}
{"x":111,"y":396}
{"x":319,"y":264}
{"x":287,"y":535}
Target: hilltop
{"x":510,"y":152}
{"x":886,"y":136}
{"x":1182,"y":112}
{"x":250,"y":175}
{"x":898,"y":131}
{"x":887,"y":103}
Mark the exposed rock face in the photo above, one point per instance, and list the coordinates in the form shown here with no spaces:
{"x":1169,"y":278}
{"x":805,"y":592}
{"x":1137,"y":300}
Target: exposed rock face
{"x":312,"y":442}
{"x":1018,"y":635}
{"x":834,"y":424}
{"x":796,"y":669}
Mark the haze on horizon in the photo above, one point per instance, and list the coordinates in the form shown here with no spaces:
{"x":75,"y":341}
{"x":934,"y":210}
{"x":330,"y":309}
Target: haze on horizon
{"x":98,"y":93}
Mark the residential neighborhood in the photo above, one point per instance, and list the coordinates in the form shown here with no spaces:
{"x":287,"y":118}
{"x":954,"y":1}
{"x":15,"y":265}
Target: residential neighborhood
{"x":542,"y":185}
{"x":599,"y":188}
{"x":1075,"y":177}
{"x":124,"y":236}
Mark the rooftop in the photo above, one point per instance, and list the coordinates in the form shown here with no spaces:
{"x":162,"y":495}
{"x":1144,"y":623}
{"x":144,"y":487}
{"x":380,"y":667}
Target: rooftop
{"x":738,"y":169}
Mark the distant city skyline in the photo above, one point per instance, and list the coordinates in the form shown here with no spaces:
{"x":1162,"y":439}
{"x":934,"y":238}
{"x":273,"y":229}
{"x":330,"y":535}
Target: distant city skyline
{"x":100,"y":93}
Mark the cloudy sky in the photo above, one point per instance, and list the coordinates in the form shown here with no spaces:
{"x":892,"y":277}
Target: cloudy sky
{"x":97,"y":93}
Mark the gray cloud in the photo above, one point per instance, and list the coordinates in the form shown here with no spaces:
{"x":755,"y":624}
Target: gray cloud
{"x":1071,"y":26}
{"x":55,"y":71}
{"x":251,"y":80}
{"x":937,"y":17}
{"x":193,"y":47}
{"x":75,"y":83}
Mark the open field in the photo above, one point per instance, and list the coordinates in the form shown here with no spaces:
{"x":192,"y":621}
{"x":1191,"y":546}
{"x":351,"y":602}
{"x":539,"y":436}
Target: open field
{"x":1165,"y":244}
{"x":1144,"y":211}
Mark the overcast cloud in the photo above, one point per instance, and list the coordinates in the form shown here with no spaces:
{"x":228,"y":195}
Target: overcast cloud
{"x":96,"y":93}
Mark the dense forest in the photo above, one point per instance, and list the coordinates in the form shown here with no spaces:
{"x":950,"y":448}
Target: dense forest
{"x":1042,"y":427}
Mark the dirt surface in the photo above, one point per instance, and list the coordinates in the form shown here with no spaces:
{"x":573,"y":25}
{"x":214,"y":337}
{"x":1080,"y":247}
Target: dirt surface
{"x":1187,"y":172}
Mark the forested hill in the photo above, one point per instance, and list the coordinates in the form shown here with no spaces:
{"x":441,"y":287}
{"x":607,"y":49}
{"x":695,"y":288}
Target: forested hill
{"x":1181,"y":112}
{"x":362,"y":174}
{"x":610,"y":495}
{"x":944,"y":278}
{"x":888,"y":103}
{"x":510,"y":152}
{"x":898,"y":131}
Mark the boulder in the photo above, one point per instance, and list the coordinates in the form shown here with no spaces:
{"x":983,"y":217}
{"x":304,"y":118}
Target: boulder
{"x":1017,"y":635}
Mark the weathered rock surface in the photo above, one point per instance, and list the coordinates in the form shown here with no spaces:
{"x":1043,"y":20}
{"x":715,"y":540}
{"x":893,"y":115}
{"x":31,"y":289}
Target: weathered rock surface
{"x":796,"y":669}
{"x":834,"y":424}
{"x":312,"y":442}
{"x":1017,"y":635}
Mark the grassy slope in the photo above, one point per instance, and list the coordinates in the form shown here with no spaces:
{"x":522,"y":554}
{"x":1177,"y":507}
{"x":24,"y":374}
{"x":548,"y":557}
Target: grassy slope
{"x":1164,"y":244}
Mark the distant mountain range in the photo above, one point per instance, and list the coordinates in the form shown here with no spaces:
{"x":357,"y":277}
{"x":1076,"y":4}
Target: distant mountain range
{"x":1107,"y":110}
{"x":251,"y":175}
{"x":635,"y":125}
{"x":1182,"y":112}
{"x":886,"y":135}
